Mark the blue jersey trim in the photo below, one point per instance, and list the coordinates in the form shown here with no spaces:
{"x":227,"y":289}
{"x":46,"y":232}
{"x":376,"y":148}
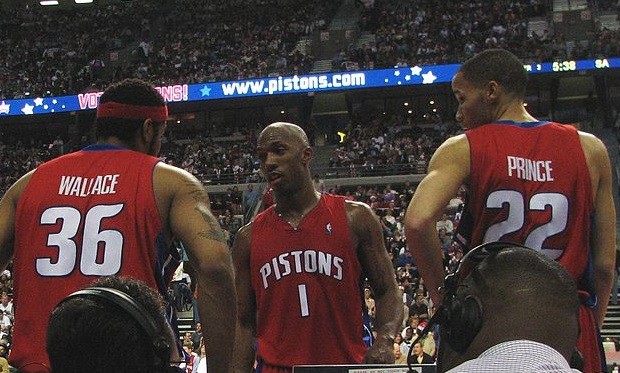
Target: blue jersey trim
{"x":96,"y":147}
{"x":522,"y":124}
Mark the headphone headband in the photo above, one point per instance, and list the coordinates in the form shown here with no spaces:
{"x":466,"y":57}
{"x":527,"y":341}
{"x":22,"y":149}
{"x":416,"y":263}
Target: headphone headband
{"x":126,"y":303}
{"x":471,"y":260}
{"x":159,"y":344}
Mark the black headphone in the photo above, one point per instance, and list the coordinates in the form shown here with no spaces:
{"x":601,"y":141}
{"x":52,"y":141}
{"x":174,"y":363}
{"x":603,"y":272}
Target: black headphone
{"x":159,"y":344}
{"x":460,"y":316}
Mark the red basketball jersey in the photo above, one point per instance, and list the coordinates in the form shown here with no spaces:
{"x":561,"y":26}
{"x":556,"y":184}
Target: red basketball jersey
{"x":529,"y":184}
{"x":84,"y":215}
{"x":307,"y":285}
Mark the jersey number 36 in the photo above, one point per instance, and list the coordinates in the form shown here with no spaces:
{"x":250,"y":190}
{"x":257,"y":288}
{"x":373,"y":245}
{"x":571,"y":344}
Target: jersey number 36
{"x":64,"y":241}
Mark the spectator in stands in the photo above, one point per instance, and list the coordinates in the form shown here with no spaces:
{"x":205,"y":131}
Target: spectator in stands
{"x":399,"y":357}
{"x":370,"y":303}
{"x":250,"y":198}
{"x":419,"y":356}
{"x":197,"y":336}
{"x":202,"y":354}
{"x":446,"y":224}
{"x":412,"y":327}
{"x":191,"y":360}
{"x":115,"y":325}
{"x":4,"y":364}
{"x":6,"y":304}
{"x":419,"y":307}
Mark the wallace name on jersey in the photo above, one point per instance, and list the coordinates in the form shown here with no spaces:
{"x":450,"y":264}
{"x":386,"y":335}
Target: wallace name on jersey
{"x":85,"y":186}
{"x":301,"y":261}
{"x":529,"y":169}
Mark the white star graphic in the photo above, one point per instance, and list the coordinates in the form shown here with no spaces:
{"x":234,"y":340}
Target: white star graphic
{"x":4,"y":108}
{"x":38,"y":101}
{"x":429,"y":78}
{"x":407,"y":77}
{"x":396,"y":73}
{"x":27,"y":109}
{"x":416,"y":70}
{"x":54,"y":101}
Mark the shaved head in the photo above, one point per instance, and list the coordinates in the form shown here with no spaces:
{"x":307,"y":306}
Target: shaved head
{"x":290,"y":130}
{"x":523,"y":295}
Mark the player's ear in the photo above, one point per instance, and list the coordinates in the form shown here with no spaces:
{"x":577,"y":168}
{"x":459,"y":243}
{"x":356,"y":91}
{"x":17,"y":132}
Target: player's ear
{"x":492,"y":90}
{"x":306,"y":154}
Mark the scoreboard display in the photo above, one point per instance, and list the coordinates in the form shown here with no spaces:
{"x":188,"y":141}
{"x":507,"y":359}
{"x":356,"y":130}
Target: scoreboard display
{"x":302,"y":84}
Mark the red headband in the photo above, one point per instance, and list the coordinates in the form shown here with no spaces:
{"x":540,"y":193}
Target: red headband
{"x":113,"y":109}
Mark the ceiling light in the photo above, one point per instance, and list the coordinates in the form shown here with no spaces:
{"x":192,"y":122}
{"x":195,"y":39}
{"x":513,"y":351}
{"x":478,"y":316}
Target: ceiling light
{"x":48,"y":2}
{"x":83,"y":1}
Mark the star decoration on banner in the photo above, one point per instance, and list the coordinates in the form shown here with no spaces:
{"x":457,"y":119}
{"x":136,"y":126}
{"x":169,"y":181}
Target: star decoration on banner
{"x":416,"y":70}
{"x":206,"y":91}
{"x":27,"y":109}
{"x":38,"y":101}
{"x":4,"y":108}
{"x":429,"y":78}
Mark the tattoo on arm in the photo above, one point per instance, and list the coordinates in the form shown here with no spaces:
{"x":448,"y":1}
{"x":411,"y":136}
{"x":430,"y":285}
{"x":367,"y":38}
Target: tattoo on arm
{"x":198,"y":194}
{"x":215,"y":232}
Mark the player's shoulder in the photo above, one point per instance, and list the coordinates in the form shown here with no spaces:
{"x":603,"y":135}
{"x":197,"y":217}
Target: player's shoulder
{"x":455,"y":143}
{"x":358,"y":213}
{"x":17,"y":189}
{"x":590,"y":140}
{"x":243,"y":238}
{"x":592,"y":146}
{"x":168,"y":174}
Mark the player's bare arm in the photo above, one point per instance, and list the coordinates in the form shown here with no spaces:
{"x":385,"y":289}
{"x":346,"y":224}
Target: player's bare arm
{"x":191,"y":221}
{"x":368,"y":239}
{"x":8,"y":205}
{"x":604,"y":222}
{"x":243,"y":356}
{"x":214,"y":232}
{"x":448,"y":169}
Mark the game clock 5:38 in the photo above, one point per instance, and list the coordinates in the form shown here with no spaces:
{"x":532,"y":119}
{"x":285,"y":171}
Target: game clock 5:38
{"x":559,"y":66}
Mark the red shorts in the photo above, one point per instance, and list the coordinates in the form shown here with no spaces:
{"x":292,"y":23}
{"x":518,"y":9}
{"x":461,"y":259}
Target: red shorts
{"x":589,"y":342}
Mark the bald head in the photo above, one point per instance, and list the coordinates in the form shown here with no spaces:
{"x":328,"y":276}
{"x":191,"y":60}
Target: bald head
{"x":289,"y":130}
{"x":523,"y":274}
{"x":524,"y":295}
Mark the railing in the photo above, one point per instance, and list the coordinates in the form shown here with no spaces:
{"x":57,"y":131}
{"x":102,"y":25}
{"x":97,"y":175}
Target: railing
{"x":418,"y":168}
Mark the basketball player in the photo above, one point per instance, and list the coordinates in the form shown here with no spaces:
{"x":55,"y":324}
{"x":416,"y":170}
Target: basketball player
{"x":542,"y":184}
{"x":299,"y":267}
{"x":112,"y":209}
{"x":96,"y":332}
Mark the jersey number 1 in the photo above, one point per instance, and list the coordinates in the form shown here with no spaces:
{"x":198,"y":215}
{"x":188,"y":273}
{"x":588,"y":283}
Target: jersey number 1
{"x":92,"y":236}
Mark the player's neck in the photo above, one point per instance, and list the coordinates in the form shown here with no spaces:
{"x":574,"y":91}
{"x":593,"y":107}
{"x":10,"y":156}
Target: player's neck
{"x":515,"y":112}
{"x":113,"y":140}
{"x":297,"y":205}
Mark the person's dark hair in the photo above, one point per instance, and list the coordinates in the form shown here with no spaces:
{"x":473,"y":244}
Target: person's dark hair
{"x":90,"y":334}
{"x":496,"y":65}
{"x":129,"y":91}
